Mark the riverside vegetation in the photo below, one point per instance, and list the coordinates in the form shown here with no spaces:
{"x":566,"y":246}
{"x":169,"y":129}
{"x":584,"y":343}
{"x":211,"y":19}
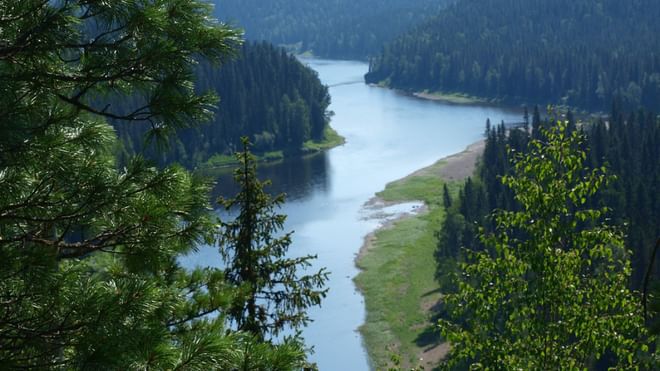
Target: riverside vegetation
{"x":398,"y":275}
{"x":627,"y":146}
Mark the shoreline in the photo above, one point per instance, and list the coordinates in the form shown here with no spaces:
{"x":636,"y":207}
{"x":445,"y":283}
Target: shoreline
{"x":461,"y":99}
{"x":377,"y":205}
{"x":397,"y":266}
{"x":449,"y":98}
{"x":456,"y":167}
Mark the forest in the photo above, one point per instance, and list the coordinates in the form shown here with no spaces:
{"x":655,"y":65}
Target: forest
{"x":582,"y":54}
{"x":340,"y":29}
{"x":266,"y":95}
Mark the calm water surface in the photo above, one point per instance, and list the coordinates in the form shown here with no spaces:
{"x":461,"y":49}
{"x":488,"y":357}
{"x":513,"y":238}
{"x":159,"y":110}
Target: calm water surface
{"x":388,"y":136}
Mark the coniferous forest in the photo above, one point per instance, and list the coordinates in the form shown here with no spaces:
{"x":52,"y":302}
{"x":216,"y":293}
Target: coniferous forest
{"x":341,"y":29}
{"x":583,"y":53}
{"x":266,"y":95}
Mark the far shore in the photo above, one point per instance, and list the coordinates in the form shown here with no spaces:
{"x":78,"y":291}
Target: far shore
{"x":450,"y":98}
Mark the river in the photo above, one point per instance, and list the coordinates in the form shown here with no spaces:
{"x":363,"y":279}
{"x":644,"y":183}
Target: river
{"x":388,"y":136}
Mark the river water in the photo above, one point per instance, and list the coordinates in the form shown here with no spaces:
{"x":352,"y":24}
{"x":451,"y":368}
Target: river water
{"x":388,"y":136}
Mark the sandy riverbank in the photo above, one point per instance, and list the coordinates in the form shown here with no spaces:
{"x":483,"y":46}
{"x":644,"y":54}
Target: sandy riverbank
{"x":450,"y":98}
{"x":455,"y":167}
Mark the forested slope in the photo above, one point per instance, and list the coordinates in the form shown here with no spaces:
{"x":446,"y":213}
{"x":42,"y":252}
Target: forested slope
{"x":266,"y":95}
{"x":627,"y":144}
{"x":583,"y":53}
{"x":347,"y":29}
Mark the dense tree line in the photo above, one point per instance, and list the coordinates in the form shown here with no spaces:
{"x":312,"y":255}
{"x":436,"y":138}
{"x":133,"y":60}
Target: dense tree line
{"x":627,"y":144}
{"x":90,"y":272}
{"x":266,"y":95}
{"x":581,"y":53}
{"x":347,"y":29}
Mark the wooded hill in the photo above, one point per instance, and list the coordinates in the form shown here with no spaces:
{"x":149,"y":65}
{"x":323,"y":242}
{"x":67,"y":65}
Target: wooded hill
{"x":266,"y":95}
{"x":344,"y":29}
{"x":583,"y":53}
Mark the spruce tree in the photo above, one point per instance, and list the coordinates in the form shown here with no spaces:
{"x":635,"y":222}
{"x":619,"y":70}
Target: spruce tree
{"x":275,"y":295}
{"x":446,"y":197}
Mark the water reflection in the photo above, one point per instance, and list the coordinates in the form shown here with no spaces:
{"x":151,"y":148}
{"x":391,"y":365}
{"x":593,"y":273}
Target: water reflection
{"x":297,"y":177}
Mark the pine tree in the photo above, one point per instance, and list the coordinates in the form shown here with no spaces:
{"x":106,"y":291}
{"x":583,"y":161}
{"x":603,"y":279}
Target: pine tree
{"x":89,"y":251}
{"x":275,"y":295}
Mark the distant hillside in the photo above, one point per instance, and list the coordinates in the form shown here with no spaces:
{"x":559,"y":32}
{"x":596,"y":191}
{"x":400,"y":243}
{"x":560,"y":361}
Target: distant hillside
{"x":345,"y":29}
{"x":583,"y":53}
{"x":265,"y":94}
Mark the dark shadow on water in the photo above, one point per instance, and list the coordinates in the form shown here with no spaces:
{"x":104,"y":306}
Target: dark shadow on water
{"x":298,"y":177}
